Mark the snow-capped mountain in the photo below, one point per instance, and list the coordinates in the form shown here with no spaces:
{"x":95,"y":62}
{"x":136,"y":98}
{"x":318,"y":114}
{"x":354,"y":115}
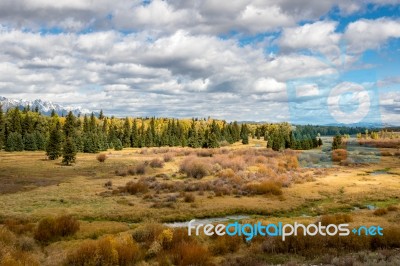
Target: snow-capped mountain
{"x":44,"y":107}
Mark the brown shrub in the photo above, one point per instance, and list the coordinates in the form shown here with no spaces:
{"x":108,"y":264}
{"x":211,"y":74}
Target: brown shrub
{"x":195,"y":167}
{"x":188,"y":197}
{"x":386,"y":153}
{"x":138,"y":169}
{"x":339,"y":155}
{"x":136,"y":187}
{"x":291,"y":162}
{"x":392,"y":208}
{"x":50,"y":229}
{"x":105,"y":251}
{"x":205,"y":153}
{"x":190,"y":254}
{"x":147,"y":233}
{"x":121,"y":172}
{"x":19,"y":226}
{"x":45,"y":230}
{"x":226,"y":173}
{"x":66,"y":225}
{"x":156,"y":163}
{"x":228,"y":161}
{"x":101,"y":157}
{"x":224,"y":244}
{"x":264,"y":188}
{"x":128,"y":251}
{"x":336,"y":219}
{"x":168,"y":158}
{"x":380,"y":212}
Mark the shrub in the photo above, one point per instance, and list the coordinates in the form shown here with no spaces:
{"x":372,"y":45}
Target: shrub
{"x":168,"y":158}
{"x":45,"y":230}
{"x":105,"y":251}
{"x":136,"y":187}
{"x":392,"y":208}
{"x":189,"y":197}
{"x":234,"y":163}
{"x":386,"y":153}
{"x":66,"y":225}
{"x":265,"y":187}
{"x":138,"y":169}
{"x":195,"y":168}
{"x":339,"y":155}
{"x":205,"y":153}
{"x":108,"y":184}
{"x":121,"y":172}
{"x":380,"y":212}
{"x":147,"y":233}
{"x":101,"y":157}
{"x":50,"y":229}
{"x":156,"y":163}
{"x":19,"y":226}
{"x":225,"y":244}
{"x":336,"y":219}
{"x":190,"y":254}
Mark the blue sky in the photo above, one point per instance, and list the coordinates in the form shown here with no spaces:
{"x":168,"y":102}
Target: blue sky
{"x":197,"y":58}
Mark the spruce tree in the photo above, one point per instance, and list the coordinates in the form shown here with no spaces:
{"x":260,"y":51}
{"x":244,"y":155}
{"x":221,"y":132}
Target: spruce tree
{"x":126,"y":141}
{"x":69,"y":151}
{"x":14,"y":142}
{"x":30,"y":142}
{"x":2,"y":128}
{"x":69,"y":126}
{"x":54,"y":144}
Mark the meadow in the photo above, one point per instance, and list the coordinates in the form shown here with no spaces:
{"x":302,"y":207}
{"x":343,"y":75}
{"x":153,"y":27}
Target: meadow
{"x":114,"y":208}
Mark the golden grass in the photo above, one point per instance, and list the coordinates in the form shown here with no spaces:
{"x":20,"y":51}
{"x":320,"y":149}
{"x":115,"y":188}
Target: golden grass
{"x":36,"y":188}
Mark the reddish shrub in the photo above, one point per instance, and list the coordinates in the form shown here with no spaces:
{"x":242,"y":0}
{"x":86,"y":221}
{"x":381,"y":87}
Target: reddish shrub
{"x":380,"y":212}
{"x":188,"y":197}
{"x":195,"y":167}
{"x":339,"y":155}
{"x":101,"y":157}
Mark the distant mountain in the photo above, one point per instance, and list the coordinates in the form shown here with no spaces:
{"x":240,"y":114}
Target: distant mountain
{"x":45,"y":107}
{"x":364,"y":125}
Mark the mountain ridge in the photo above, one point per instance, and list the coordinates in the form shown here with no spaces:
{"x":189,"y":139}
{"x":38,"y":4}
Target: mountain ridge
{"x":45,"y":107}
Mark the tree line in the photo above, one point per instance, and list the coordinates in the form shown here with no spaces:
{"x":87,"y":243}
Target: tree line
{"x":29,"y":130}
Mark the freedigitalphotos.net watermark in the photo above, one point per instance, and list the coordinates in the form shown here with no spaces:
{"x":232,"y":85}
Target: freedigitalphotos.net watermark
{"x":249,"y":231}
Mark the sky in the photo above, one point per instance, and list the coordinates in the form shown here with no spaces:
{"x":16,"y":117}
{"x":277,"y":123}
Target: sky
{"x":317,"y":62}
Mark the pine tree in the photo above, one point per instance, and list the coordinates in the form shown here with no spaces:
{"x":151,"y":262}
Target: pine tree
{"x":15,"y":121}
{"x":54,"y":144}
{"x":30,"y":142}
{"x":126,"y":140}
{"x":2,"y":128}
{"x":14,"y":142}
{"x":117,"y":144}
{"x":320,"y":142}
{"x":101,"y":115}
{"x":39,"y":140}
{"x":69,"y":151}
{"x":69,"y":126}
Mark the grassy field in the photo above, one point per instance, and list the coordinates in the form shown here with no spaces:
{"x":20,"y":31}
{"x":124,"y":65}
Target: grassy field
{"x":240,"y":179}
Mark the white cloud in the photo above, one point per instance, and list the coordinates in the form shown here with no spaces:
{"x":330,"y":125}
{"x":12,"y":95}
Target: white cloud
{"x":367,"y":34}
{"x":319,"y":36}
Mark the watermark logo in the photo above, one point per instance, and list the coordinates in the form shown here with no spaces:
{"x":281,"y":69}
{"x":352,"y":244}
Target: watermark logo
{"x":249,"y":231}
{"x":344,"y":97}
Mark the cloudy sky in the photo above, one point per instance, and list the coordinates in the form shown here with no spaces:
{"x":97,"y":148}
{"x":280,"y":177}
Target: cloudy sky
{"x":284,"y":60}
